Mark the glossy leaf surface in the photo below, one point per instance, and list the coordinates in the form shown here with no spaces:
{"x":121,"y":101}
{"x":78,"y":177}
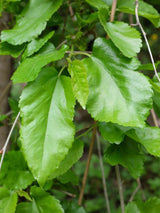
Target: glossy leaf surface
{"x":145,"y":10}
{"x":80,"y":86}
{"x":126,"y":38}
{"x":97,"y":3}
{"x":8,"y":201}
{"x":36,"y":44}
{"x":42,"y":203}
{"x":31,"y":22}
{"x":116,"y":93}
{"x":47,"y":109}
{"x":30,"y":67}
{"x":128,"y":155}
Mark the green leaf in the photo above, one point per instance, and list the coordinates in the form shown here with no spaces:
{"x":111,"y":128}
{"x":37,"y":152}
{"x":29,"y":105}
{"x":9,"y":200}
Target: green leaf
{"x":126,"y":38}
{"x":42,"y":203}
{"x":47,"y":109}
{"x":8,"y":201}
{"x":148,"y":66}
{"x":36,"y":44}
{"x":74,"y":154}
{"x":116,"y":93}
{"x":73,"y":207}
{"x":30,"y":67}
{"x":97,"y":3}
{"x":69,"y":176}
{"x":152,"y":205}
{"x":8,"y":49}
{"x":145,"y":10}
{"x":14,"y":174}
{"x":80,"y":86}
{"x":2,"y":117}
{"x":31,"y":22}
{"x":24,"y":194}
{"x":149,"y":137}
{"x":132,"y":208}
{"x":112,"y":132}
{"x":128,"y":155}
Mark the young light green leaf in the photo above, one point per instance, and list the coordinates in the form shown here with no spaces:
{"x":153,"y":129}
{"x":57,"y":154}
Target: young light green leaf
{"x":98,"y":3}
{"x":42,"y":203}
{"x":116,"y":93}
{"x":22,"y":193}
{"x":31,"y":22}
{"x":112,"y":132}
{"x":47,"y":109}
{"x":149,"y":137}
{"x":8,"y":49}
{"x":74,"y":154}
{"x":8,"y":201}
{"x":80,"y":86}
{"x":126,"y":38}
{"x":14,"y":174}
{"x":30,"y":67}
{"x":145,"y":10}
{"x":128,"y":155}
{"x":36,"y":44}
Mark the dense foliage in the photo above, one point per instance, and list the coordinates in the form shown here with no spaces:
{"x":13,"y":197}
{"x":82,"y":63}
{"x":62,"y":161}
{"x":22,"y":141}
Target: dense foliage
{"x":72,"y":70}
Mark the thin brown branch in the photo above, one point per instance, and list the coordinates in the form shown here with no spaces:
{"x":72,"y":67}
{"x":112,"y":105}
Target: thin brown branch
{"x":87,"y":166}
{"x":103,"y":175}
{"x":71,"y":12}
{"x":113,"y":10}
{"x":135,"y":191}
{"x":120,"y":187}
{"x":155,"y":121}
{"x":145,"y":37}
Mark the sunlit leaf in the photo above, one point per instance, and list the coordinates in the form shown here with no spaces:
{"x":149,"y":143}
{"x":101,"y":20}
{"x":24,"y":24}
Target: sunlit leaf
{"x":31,"y":22}
{"x":116,"y":93}
{"x":47,"y":109}
{"x":152,"y":205}
{"x":97,"y":3}
{"x":36,"y":44}
{"x":123,"y":36}
{"x":128,"y":155}
{"x":78,"y":74}
{"x":132,"y":208}
{"x":30,"y":67}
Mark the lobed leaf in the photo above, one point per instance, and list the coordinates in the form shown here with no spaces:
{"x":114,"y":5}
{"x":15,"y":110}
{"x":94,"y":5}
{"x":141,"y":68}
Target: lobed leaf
{"x":116,"y":93}
{"x":128,"y":155}
{"x":31,"y":22}
{"x":28,"y":70}
{"x":47,"y":109}
{"x":79,"y":81}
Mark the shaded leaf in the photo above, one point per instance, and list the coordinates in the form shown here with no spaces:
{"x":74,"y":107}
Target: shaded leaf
{"x":36,"y":44}
{"x":126,"y":38}
{"x":80,"y":86}
{"x":128,"y":155}
{"x":14,"y":174}
{"x":69,"y":176}
{"x":116,"y":93}
{"x":30,"y":67}
{"x":132,"y":208}
{"x":74,"y":154}
{"x":112,"y":132}
{"x":42,"y":203}
{"x":8,"y":49}
{"x":152,"y":205}
{"x":31,"y":22}
{"x":47,"y":109}
{"x":145,"y":10}
{"x":8,"y":201}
